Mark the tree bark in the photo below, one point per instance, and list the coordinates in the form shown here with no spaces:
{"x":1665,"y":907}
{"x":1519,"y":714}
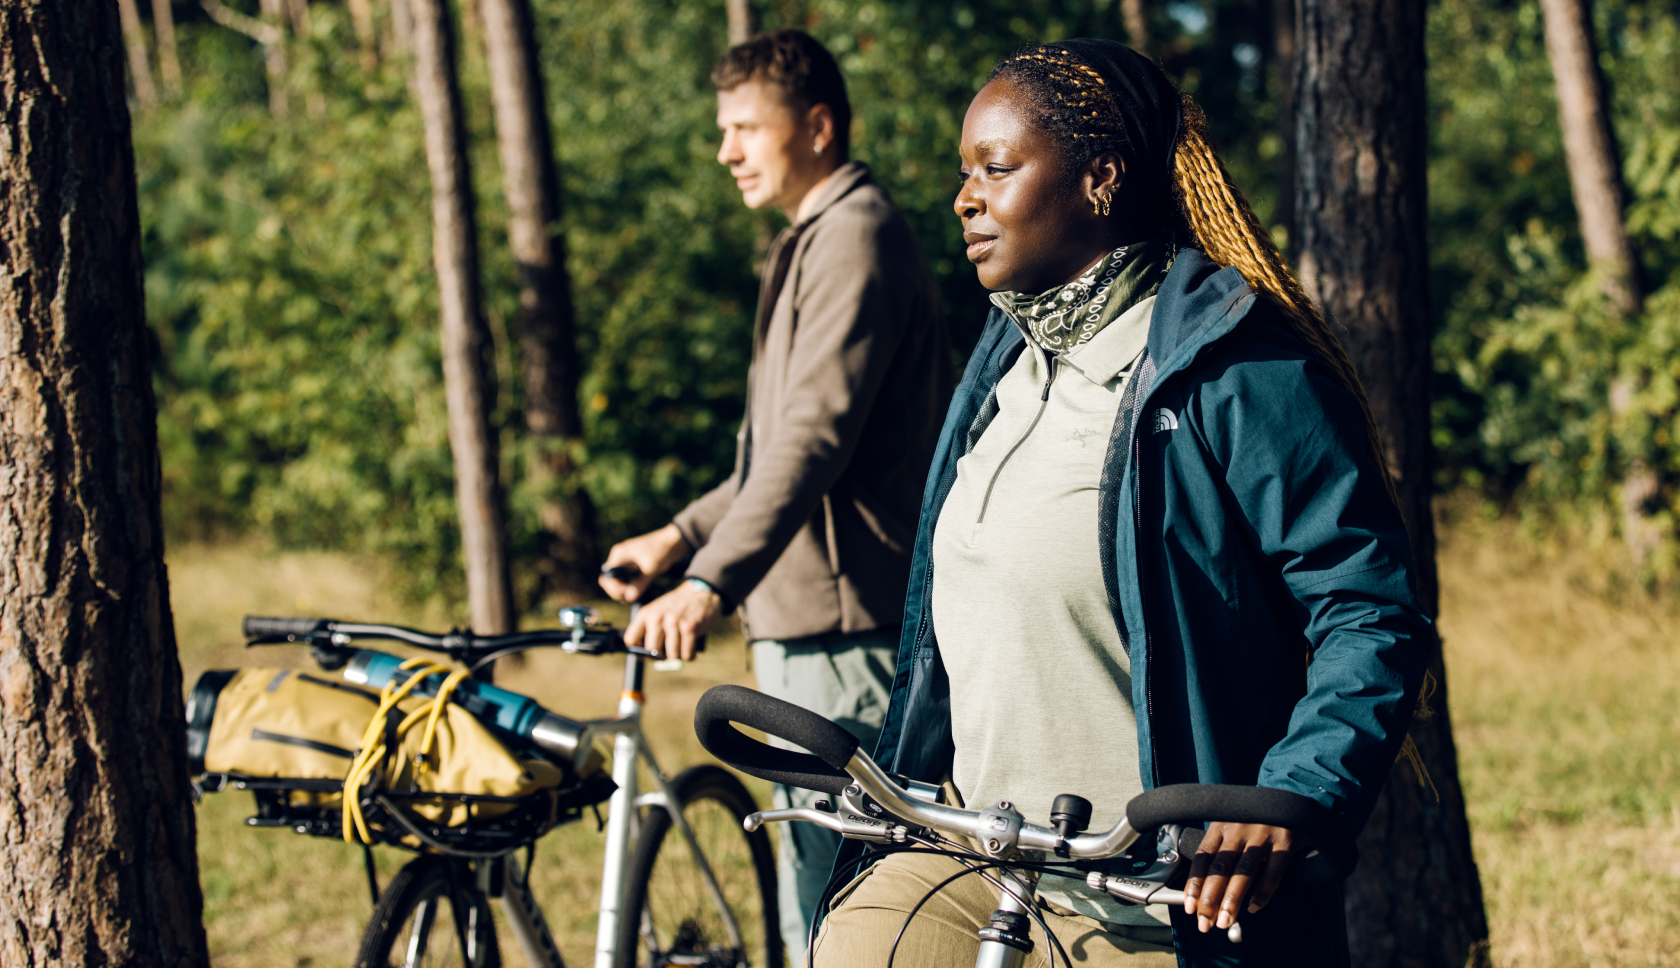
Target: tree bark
{"x":743,"y":21}
{"x":97,"y":835}
{"x":169,"y":53}
{"x":367,"y":39}
{"x":1136,"y":19}
{"x":469,"y":382}
{"x":547,"y":335}
{"x":401,"y":36}
{"x":1283,"y":55}
{"x":1589,"y":145}
{"x":139,"y":66}
{"x":1416,"y":899}
{"x":274,"y":56}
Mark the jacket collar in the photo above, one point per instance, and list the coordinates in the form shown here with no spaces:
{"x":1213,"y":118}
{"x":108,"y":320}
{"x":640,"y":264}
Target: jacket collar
{"x":1197,"y":304}
{"x":845,"y":178}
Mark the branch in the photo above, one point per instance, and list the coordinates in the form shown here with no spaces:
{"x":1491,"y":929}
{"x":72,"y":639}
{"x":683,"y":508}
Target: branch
{"x":244,"y":23}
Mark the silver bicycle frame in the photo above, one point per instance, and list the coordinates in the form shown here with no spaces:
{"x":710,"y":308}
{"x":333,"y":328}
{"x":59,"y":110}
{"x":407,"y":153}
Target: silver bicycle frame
{"x":629,"y":746}
{"x":525,"y":917}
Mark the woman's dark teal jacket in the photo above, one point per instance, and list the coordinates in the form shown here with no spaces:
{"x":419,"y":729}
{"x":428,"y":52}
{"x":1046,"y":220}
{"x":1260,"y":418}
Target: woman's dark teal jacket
{"x":1255,"y":564}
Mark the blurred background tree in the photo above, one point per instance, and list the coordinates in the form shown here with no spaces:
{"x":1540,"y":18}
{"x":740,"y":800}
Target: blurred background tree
{"x":294,"y":309}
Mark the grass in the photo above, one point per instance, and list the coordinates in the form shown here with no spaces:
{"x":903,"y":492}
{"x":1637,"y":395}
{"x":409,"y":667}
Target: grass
{"x":1565,"y":695}
{"x":279,"y":900}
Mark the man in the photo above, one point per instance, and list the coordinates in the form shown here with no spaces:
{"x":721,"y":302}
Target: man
{"x":810,"y":537}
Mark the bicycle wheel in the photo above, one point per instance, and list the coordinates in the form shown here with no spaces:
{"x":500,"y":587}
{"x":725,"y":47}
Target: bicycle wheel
{"x":432,"y":915}
{"x":670,"y":916}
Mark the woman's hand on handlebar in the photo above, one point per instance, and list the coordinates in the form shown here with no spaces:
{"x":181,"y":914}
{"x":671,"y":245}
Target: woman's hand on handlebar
{"x":649,"y":555}
{"x":673,"y":623}
{"x":1236,"y":861}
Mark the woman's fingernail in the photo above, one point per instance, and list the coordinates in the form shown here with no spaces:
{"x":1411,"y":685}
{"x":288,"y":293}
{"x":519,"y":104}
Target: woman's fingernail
{"x":1225,"y":920}
{"x":1203,"y":925}
{"x":1253,"y":907}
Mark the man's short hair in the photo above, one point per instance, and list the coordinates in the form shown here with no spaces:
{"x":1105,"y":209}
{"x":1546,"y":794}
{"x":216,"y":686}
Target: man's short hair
{"x":805,"y":71}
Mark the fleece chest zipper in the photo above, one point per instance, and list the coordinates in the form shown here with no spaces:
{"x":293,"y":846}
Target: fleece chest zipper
{"x":1043,"y":404}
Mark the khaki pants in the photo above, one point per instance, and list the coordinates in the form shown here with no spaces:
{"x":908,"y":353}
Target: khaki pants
{"x":846,"y":678}
{"x":867,"y":914}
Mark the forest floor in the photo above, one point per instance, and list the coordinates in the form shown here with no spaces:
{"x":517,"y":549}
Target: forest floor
{"x":1565,"y":696}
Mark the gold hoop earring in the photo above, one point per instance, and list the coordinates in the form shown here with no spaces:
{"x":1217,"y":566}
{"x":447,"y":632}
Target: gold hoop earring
{"x":1103,"y":211}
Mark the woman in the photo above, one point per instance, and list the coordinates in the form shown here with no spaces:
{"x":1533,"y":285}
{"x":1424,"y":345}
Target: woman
{"x":1156,"y":545}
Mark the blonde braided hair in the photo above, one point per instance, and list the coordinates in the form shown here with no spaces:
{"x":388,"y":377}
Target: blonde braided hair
{"x":1076,"y":108}
{"x":1218,"y":217}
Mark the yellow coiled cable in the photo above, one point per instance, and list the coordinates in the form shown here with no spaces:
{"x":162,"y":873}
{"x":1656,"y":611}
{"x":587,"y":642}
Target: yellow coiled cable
{"x":375,"y":745}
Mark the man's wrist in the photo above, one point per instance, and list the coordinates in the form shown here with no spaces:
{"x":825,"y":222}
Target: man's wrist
{"x":704,"y":585}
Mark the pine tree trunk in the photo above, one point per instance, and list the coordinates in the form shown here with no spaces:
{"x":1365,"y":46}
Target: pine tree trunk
{"x":169,"y":53}
{"x":548,"y":337}
{"x":1416,"y":899}
{"x":97,"y":835}
{"x":139,"y":66}
{"x":1136,"y":19}
{"x":274,"y":57}
{"x":367,"y":39}
{"x":468,"y":377}
{"x":1589,"y":146}
{"x":743,"y":21}
{"x":1282,"y":29}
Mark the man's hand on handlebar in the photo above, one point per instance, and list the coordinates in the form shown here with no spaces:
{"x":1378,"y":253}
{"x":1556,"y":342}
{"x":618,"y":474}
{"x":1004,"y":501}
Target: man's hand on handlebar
{"x":673,"y":623}
{"x":648,"y":556}
{"x":1236,"y":861}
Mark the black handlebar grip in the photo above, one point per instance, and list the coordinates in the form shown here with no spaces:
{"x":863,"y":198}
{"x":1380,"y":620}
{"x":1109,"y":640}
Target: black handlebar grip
{"x":833,"y":746}
{"x":260,"y":627}
{"x":1192,"y":803}
{"x":622,"y":573}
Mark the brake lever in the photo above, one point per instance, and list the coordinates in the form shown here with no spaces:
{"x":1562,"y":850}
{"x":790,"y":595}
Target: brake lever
{"x":855,"y":817}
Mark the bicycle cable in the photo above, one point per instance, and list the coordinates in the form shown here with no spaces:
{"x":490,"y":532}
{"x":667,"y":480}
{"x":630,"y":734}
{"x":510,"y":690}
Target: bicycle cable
{"x":969,"y":858}
{"x":1031,"y":909}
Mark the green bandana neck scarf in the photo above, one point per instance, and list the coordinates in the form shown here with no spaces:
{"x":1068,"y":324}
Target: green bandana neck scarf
{"x":1066,"y":316}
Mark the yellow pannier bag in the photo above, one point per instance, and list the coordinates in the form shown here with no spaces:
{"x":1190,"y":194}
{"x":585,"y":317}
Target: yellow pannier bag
{"x":286,"y":724}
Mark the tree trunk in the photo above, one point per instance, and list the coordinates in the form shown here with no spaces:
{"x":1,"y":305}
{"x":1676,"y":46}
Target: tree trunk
{"x":469,"y":382}
{"x":169,"y":53}
{"x":743,"y":21}
{"x":139,"y":66}
{"x":547,"y":335}
{"x":367,"y":39}
{"x":400,"y":40}
{"x":97,"y":835}
{"x":1136,"y":20}
{"x":1282,"y":29}
{"x":274,"y":56}
{"x":1589,"y":145}
{"x":298,"y":12}
{"x":1416,"y":899}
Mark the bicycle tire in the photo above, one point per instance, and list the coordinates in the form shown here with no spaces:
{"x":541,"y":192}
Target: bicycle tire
{"x":418,"y":892}
{"x":682,"y":925}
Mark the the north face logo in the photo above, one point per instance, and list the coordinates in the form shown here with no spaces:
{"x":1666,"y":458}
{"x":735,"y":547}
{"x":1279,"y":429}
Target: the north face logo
{"x":1164,"y":420}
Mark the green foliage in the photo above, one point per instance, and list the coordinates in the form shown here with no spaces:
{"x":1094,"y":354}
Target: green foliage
{"x":286,"y":263}
{"x":291,"y":293}
{"x":1529,"y":357}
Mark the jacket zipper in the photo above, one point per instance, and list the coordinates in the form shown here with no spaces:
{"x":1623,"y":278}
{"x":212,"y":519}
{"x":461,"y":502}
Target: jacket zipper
{"x":1043,"y":404}
{"x":1143,"y":580}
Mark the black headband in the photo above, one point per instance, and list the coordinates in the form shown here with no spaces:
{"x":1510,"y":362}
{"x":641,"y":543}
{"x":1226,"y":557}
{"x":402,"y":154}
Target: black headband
{"x":1150,"y":107}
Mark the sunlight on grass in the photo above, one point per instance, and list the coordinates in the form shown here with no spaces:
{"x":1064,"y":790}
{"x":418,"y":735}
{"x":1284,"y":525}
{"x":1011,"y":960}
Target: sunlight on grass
{"x":1565,"y":698}
{"x":275,"y":898}
{"x":1566,"y":704}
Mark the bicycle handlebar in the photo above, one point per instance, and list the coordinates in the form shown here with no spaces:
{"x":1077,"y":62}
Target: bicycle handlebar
{"x":263,"y":630}
{"x":994,"y":828}
{"x":833,"y":746}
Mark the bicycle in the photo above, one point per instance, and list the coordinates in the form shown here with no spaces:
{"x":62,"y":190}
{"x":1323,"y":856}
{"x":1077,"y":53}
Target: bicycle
{"x":705,"y":897}
{"x":896,"y":814}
